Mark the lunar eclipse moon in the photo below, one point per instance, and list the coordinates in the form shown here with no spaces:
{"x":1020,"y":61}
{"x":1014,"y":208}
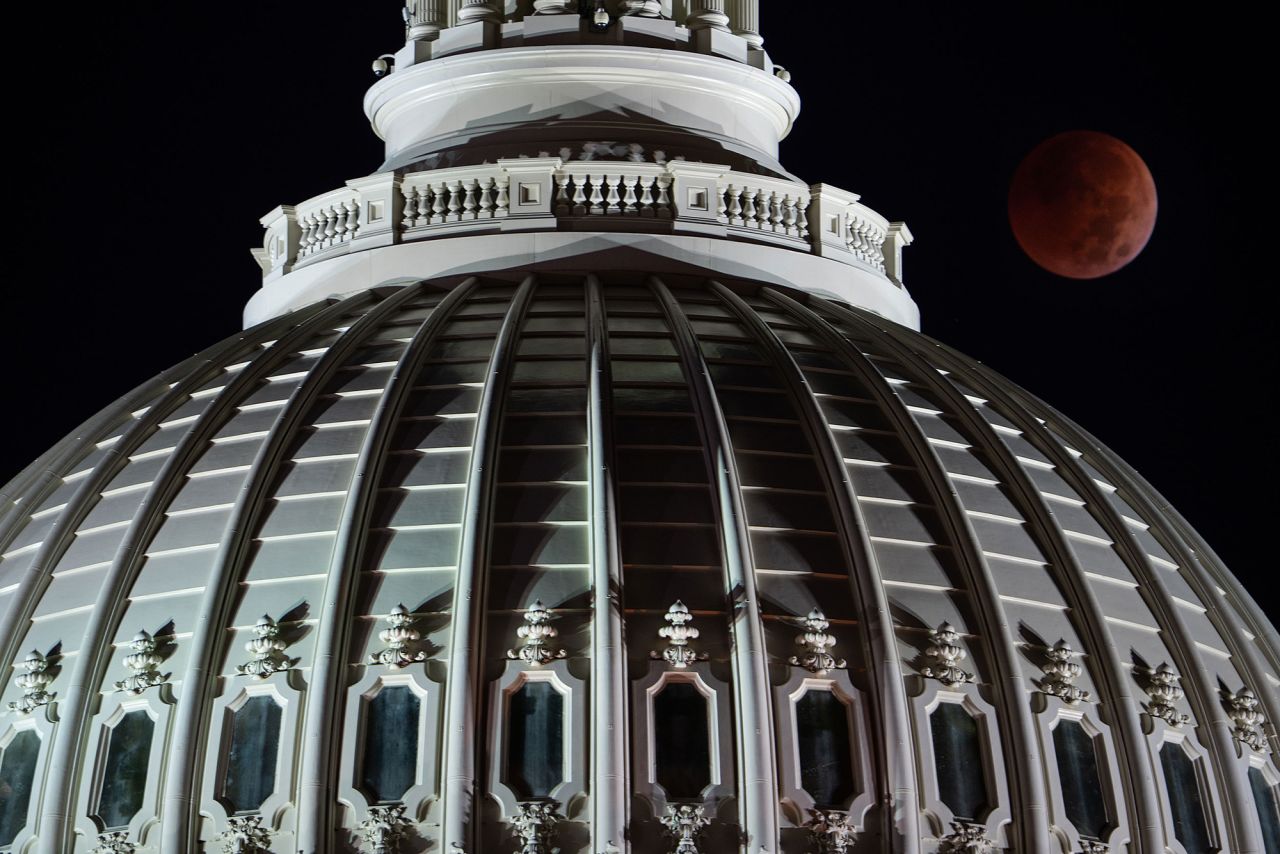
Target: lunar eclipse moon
{"x":1082,"y":204}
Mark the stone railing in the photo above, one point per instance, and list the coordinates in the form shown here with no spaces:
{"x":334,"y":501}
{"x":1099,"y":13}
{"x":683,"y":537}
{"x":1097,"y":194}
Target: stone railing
{"x":547,"y":194}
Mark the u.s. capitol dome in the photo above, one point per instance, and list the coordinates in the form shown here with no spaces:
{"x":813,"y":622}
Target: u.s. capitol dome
{"x":582,"y":483}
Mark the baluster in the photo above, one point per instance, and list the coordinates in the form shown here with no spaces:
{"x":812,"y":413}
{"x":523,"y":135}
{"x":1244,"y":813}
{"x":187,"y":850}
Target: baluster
{"x":664,"y":200}
{"x":439,"y":195}
{"x":789,"y":215}
{"x":339,"y":223}
{"x":330,"y":228}
{"x":629,"y":197}
{"x":424,"y":205}
{"x":502,"y":207}
{"x":614,"y":199}
{"x":646,"y":195}
{"x":469,"y":205}
{"x":722,"y":204}
{"x":735,"y":206}
{"x":486,"y":198}
{"x":597,"y":197}
{"x":775,"y":212}
{"x":353,"y":219}
{"x":410,"y":207}
{"x":562,"y":193}
{"x":802,"y":216}
{"x":455,"y":201}
{"x":580,"y":195}
{"x":749,"y":208}
{"x":308,"y":233}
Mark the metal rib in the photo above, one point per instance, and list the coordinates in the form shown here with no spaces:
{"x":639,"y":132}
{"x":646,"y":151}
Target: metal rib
{"x":462,"y":689}
{"x":758,"y":808}
{"x":85,"y":497}
{"x":1134,"y":764}
{"x":1234,"y":793}
{"x":899,"y":785}
{"x":1021,"y":748}
{"x":319,"y":736}
{"x":199,"y":682}
{"x":608,"y":656}
{"x":130,"y":554}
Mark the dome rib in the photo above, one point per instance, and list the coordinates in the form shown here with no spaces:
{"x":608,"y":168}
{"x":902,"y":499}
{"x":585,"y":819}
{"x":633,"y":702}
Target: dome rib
{"x":96,"y":648}
{"x":209,"y":638}
{"x":758,"y":801}
{"x":1089,"y":618}
{"x":608,"y":651}
{"x":462,"y":687}
{"x":895,"y":775}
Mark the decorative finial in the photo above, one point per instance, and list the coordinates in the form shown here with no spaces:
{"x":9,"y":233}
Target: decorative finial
{"x":245,"y":835}
{"x":1061,"y":673}
{"x":815,"y":642}
{"x":834,"y":831}
{"x":383,"y":828}
{"x":1163,"y":688}
{"x":685,"y":822}
{"x":946,"y":653}
{"x":143,"y":661}
{"x":1242,"y":708}
{"x":678,"y":633}
{"x":534,"y":821}
{"x":535,"y":633}
{"x":966,"y":838}
{"x":265,"y":649}
{"x":398,"y":637}
{"x":33,"y":684}
{"x":114,"y":843}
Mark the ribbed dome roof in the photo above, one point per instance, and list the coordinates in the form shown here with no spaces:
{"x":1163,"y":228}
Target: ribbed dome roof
{"x":609,"y":446}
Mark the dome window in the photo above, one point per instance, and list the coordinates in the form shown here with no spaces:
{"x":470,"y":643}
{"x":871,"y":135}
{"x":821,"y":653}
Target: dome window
{"x":1182,"y":783}
{"x":826,"y":748}
{"x":1077,"y":754}
{"x":250,"y":776}
{"x":682,"y":741}
{"x":959,"y":761}
{"x":124,"y":774}
{"x":1264,"y":798}
{"x":534,"y":764}
{"x":391,"y":735}
{"x":17,"y":773}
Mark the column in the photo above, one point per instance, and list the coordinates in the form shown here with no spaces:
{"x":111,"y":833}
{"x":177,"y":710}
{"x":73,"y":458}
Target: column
{"x":707,"y":14}
{"x":426,"y":17}
{"x":478,"y":10}
{"x":745,"y":15}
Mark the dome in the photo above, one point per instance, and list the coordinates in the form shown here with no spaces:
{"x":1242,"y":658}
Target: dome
{"x":566,"y":494}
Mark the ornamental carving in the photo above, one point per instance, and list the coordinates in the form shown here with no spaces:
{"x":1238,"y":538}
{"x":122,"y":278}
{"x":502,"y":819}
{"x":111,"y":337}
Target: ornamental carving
{"x":945,"y":654}
{"x":383,"y":828}
{"x":265,"y":650}
{"x":534,"y":823}
{"x":816,"y":642}
{"x":833,"y":830}
{"x":114,"y":843}
{"x":685,"y":823}
{"x":143,"y":661}
{"x":536,"y":632}
{"x":1242,"y":708}
{"x":400,"y":636}
{"x":33,"y":684}
{"x":1163,"y":688}
{"x":678,"y":633}
{"x":966,"y":838}
{"x":1089,"y":846}
{"x":1060,"y":674}
{"x":245,"y":835}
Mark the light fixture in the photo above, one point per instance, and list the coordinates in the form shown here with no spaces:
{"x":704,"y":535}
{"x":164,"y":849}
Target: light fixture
{"x":600,"y":20}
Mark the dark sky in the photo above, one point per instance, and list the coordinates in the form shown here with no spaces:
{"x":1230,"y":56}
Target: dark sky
{"x":150,"y":138}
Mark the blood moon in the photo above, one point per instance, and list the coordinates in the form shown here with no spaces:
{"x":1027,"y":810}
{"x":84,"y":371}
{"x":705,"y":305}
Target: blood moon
{"x":1082,"y":204}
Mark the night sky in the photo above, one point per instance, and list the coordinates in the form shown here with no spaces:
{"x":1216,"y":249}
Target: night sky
{"x":151,"y":137}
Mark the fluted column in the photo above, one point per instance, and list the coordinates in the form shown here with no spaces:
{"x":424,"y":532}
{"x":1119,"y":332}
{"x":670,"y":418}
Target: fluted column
{"x":552,"y":7}
{"x":478,"y":10}
{"x":426,"y":18}
{"x":707,"y":14}
{"x":745,"y":18}
{"x":643,"y":8}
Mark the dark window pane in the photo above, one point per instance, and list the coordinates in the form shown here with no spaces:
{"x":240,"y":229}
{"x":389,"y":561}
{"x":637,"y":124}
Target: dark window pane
{"x":1077,"y":756}
{"x":682,"y":741}
{"x":17,"y":773}
{"x":124,"y":778}
{"x":958,"y":761}
{"x":251,"y":758}
{"x":391,"y":744}
{"x":1184,"y":799}
{"x":1264,"y":798}
{"x":535,"y":740}
{"x":826,"y":752}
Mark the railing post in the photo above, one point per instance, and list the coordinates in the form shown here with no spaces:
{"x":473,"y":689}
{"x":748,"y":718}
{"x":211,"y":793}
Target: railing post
{"x":898,"y":239}
{"x":829,"y":220}
{"x":280,"y":245}
{"x":696,"y":194}
{"x":381,"y":206}
{"x":531,"y":190}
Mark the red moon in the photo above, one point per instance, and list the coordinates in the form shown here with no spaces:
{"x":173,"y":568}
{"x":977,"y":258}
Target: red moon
{"x":1082,"y":204}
